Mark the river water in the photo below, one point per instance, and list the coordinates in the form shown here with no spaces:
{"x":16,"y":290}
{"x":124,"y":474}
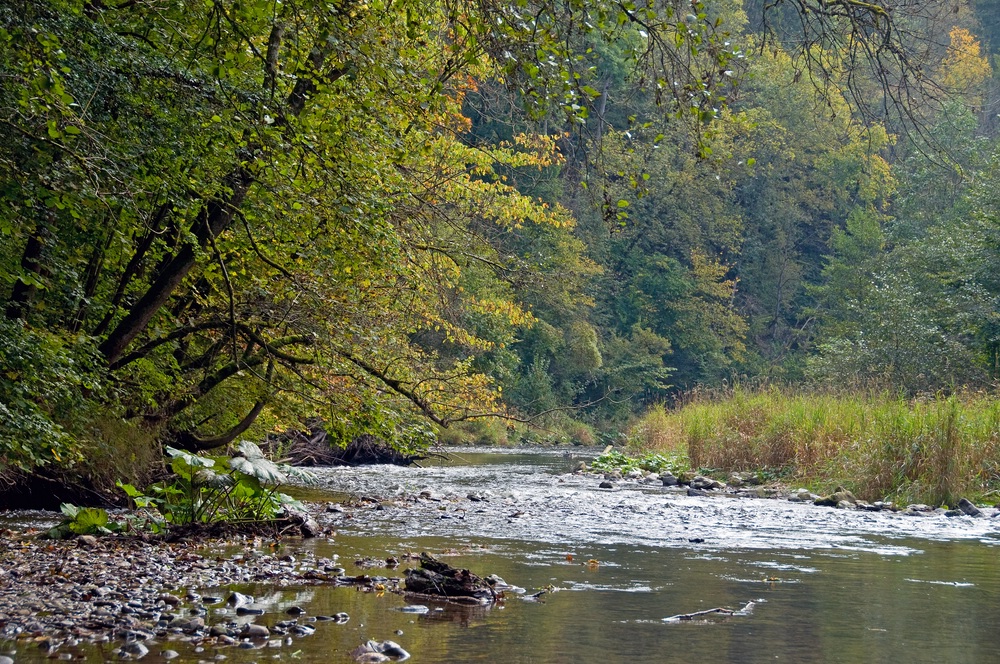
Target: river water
{"x":826,"y":585}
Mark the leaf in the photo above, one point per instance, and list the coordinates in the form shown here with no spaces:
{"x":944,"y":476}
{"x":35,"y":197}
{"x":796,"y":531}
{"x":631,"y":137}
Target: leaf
{"x":191,"y":460}
{"x":260,"y":468}
{"x":249,"y":450}
{"x":69,"y":510}
{"x":90,"y":520}
{"x":213,"y":480}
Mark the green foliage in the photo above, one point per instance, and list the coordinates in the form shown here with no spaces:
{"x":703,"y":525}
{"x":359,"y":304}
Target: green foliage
{"x":243,"y":487}
{"x":43,"y":382}
{"x":652,"y":462}
{"x":83,"y":521}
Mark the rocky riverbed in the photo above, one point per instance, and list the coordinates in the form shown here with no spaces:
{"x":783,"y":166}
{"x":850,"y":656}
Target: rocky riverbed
{"x":130,"y":596}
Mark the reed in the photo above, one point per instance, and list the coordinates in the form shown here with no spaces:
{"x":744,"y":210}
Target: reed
{"x":881,"y":446}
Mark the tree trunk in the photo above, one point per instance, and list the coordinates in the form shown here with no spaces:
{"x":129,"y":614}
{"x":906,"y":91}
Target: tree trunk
{"x":22,"y":293}
{"x":213,"y":219}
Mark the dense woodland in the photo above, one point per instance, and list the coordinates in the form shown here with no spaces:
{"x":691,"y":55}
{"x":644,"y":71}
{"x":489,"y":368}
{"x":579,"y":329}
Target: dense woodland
{"x":423,"y":219}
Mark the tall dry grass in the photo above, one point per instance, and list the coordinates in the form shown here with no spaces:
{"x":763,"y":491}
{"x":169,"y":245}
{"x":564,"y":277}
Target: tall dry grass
{"x":931,"y":450}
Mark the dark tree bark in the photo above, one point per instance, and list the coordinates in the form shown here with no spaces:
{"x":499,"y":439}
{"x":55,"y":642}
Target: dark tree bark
{"x":22,"y":293}
{"x":214,"y":218}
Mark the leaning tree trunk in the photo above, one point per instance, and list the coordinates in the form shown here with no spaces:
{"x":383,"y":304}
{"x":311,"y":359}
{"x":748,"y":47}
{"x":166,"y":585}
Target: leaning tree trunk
{"x":213,"y":219}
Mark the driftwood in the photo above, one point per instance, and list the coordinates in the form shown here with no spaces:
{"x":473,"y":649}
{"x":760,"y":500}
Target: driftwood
{"x":718,"y":610}
{"x":441,"y":580}
{"x":315,"y":448}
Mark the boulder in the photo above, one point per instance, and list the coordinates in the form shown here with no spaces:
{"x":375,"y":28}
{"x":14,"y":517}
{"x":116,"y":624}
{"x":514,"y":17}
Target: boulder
{"x":701,"y":482}
{"x":968,"y":508}
{"x":668,"y":479}
{"x":841,"y":495}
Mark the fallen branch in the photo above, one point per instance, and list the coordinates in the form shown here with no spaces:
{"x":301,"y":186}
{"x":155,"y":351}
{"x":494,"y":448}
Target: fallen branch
{"x":719,"y":610}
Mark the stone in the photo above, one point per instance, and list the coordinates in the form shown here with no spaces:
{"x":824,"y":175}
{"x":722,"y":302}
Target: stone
{"x":668,"y":479}
{"x":194,"y":625}
{"x":415,"y":608}
{"x":701,"y":482}
{"x":218,"y":630}
{"x":841,"y":495}
{"x":239,"y":599}
{"x":696,"y":492}
{"x":394,"y":650}
{"x":310,"y":528}
{"x":968,"y":508}
{"x":607,"y":485}
{"x":135,"y":649}
{"x":86,"y":541}
{"x":255,"y":631}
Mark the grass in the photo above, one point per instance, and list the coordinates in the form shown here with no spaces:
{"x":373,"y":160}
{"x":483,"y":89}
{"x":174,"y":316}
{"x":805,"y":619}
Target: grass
{"x":933,"y":450}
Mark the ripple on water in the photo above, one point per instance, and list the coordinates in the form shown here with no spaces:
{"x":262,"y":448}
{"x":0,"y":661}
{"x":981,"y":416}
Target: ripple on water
{"x":534,"y":498}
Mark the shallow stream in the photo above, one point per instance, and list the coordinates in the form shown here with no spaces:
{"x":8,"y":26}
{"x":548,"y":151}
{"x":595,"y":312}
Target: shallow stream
{"x":826,"y":585}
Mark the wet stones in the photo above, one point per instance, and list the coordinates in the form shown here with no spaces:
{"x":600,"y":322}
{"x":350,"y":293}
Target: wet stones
{"x":135,"y":649}
{"x":802,"y":496}
{"x":841,"y":498}
{"x":386,"y":651}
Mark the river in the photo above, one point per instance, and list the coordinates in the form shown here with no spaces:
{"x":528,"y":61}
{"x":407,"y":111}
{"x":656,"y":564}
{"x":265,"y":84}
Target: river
{"x":826,"y":585}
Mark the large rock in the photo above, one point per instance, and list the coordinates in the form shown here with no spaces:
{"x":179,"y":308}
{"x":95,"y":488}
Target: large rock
{"x":968,"y":508}
{"x":839,"y":498}
{"x":701,"y":482}
{"x":668,"y":479}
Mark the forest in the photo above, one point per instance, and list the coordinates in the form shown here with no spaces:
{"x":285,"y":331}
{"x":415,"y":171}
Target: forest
{"x":526,"y":221}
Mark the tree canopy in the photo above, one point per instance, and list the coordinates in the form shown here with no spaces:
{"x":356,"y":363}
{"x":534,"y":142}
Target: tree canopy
{"x":227,"y":218}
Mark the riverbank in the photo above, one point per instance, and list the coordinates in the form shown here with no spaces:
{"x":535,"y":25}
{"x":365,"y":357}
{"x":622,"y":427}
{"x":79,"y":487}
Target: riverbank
{"x":881,"y":447}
